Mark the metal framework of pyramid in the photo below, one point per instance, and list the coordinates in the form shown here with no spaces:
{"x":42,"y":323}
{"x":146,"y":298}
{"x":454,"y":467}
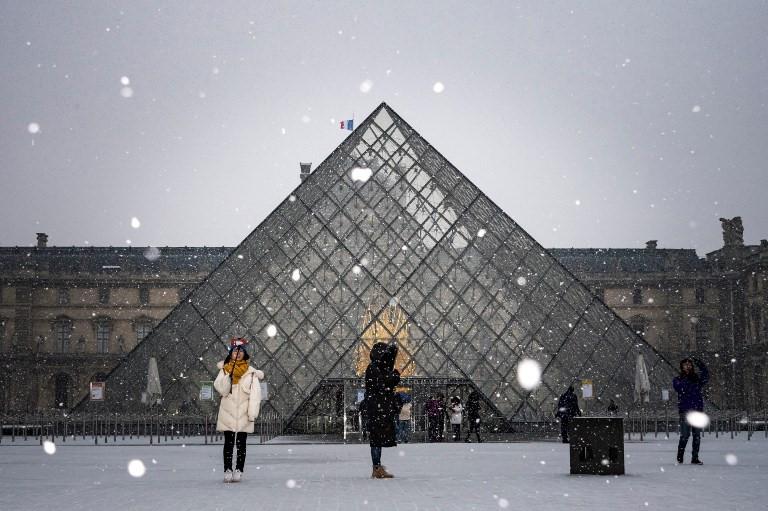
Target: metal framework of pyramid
{"x":474,"y":293}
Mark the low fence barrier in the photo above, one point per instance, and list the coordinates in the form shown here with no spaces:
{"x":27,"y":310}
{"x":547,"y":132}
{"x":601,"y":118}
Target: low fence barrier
{"x":157,"y":429}
{"x":119,"y":428}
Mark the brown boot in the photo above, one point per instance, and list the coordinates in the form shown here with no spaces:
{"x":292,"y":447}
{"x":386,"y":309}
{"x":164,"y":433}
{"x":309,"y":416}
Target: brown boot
{"x":379,"y":472}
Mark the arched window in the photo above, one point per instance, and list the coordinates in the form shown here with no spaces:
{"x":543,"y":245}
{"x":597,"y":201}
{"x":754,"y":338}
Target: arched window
{"x":62,"y":330}
{"x":62,"y":383}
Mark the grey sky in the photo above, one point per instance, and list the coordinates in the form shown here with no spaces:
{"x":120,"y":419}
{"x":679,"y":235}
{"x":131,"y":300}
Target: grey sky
{"x":600,"y":124}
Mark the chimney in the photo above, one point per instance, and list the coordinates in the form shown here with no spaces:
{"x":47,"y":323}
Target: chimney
{"x":651,"y":244}
{"x":305,"y":170}
{"x":42,"y":240}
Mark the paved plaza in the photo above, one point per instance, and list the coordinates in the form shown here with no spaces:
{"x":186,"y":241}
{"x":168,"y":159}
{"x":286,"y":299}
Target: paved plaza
{"x":282,"y":476}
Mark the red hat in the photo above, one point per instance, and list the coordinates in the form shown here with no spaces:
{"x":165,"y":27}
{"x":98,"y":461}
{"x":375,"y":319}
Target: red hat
{"x":237,"y":341}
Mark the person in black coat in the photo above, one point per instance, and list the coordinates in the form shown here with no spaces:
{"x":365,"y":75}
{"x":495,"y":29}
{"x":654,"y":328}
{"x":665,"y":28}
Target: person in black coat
{"x":381,"y":378}
{"x":567,"y":407}
{"x":473,"y":415}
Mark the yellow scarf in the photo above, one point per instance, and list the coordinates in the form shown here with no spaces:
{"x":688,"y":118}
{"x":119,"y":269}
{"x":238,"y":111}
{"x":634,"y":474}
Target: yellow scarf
{"x":240,"y":367}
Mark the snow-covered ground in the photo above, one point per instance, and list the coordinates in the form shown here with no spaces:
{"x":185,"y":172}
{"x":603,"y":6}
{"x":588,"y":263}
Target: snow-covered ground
{"x":531,"y":475}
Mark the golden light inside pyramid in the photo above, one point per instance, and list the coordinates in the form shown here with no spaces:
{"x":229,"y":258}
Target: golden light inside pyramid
{"x":391,"y":323}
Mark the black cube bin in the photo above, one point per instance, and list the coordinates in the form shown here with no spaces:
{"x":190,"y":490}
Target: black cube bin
{"x":597,"y":445}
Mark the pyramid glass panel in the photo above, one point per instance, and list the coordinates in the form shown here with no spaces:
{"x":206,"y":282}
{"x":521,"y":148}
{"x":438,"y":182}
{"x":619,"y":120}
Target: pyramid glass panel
{"x":386,"y":241}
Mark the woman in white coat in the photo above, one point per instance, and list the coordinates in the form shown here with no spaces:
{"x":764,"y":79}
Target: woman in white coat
{"x":238,"y":384}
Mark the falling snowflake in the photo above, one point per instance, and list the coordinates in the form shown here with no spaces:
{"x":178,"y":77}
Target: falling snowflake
{"x":529,"y":374}
{"x":124,"y":80}
{"x":521,"y":281}
{"x":136,"y":468}
{"x":361,"y":174}
{"x":152,"y":254}
{"x":296,"y":275}
{"x":366,"y":86}
{"x":33,"y":128}
{"x":503,"y":503}
{"x":271,"y":330}
{"x":135,"y":223}
{"x":696,"y":109}
{"x":697,"y":419}
{"x":290,"y":483}
{"x":481,"y":233}
{"x":356,"y":270}
{"x":731,"y":459}
{"x":126,"y":92}
{"x":438,"y":87}
{"x":49,"y":447}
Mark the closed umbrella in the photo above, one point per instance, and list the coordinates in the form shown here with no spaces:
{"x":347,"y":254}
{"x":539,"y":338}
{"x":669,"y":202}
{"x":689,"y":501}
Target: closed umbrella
{"x":154,"y":391}
{"x":642,"y":381}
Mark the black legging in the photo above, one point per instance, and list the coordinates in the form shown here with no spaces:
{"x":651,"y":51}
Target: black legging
{"x":229,"y":443}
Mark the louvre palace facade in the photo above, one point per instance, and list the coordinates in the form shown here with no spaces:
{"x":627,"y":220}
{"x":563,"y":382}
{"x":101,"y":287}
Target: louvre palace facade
{"x":384,"y":241}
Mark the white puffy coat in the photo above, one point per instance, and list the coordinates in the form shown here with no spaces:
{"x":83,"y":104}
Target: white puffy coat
{"x":240,"y":403}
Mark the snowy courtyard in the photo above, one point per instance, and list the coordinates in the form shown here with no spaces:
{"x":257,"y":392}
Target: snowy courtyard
{"x":278,"y":476}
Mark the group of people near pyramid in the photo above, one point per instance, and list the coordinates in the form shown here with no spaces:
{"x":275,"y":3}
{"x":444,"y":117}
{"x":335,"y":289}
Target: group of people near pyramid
{"x":238,"y":384}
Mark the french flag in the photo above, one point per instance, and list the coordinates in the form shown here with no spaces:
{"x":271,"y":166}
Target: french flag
{"x":347,"y":125}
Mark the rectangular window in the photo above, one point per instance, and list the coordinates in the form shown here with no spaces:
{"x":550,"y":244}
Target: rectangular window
{"x":144,"y":295}
{"x":63,"y":331}
{"x":102,"y":337}
{"x":701,"y":295}
{"x":63,"y":296}
{"x":104,"y":295}
{"x":142,"y":330}
{"x":637,"y":296}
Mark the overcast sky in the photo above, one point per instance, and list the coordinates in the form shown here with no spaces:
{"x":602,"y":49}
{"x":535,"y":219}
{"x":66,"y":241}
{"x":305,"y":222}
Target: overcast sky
{"x":600,"y":124}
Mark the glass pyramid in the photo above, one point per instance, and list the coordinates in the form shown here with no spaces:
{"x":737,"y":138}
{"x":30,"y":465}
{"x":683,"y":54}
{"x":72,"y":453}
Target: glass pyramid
{"x":387,"y":240}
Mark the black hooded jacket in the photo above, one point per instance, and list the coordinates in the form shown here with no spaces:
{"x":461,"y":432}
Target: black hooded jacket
{"x":381,"y":378}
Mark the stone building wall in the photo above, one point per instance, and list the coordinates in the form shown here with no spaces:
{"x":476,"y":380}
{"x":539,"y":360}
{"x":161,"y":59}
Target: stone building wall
{"x":715,"y":308}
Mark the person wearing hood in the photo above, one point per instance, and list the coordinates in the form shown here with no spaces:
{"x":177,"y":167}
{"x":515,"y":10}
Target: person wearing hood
{"x":381,"y":378}
{"x":240,"y":390}
{"x":690,"y":398}
{"x":567,"y":408}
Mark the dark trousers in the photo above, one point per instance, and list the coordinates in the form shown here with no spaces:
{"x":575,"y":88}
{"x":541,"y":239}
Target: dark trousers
{"x":685,"y":432}
{"x":434,"y":428}
{"x":565,"y":420}
{"x":456,"y":432}
{"x":474,"y":426}
{"x":229,"y":444}
{"x":376,"y":456}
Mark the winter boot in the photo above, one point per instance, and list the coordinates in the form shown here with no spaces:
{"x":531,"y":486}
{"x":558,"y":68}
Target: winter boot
{"x":380,"y":472}
{"x":237,"y":477}
{"x":228,"y":476}
{"x":696,"y":461}
{"x":680,"y":453}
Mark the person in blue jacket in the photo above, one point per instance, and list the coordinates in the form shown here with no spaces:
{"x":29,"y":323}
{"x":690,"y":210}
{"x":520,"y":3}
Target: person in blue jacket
{"x":688,"y":386}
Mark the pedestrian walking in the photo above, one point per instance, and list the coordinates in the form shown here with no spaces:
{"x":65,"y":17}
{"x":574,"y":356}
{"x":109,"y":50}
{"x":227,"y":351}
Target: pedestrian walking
{"x":404,"y":419}
{"x":381,"y":378}
{"x":473,"y":415}
{"x":690,"y":398}
{"x":240,"y":390}
{"x":456,"y":415}
{"x":567,"y":408}
{"x":362,"y":408}
{"x":434,"y":415}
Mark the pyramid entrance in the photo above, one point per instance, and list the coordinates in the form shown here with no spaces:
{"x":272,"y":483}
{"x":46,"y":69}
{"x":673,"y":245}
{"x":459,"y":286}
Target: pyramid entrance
{"x":387,"y":241}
